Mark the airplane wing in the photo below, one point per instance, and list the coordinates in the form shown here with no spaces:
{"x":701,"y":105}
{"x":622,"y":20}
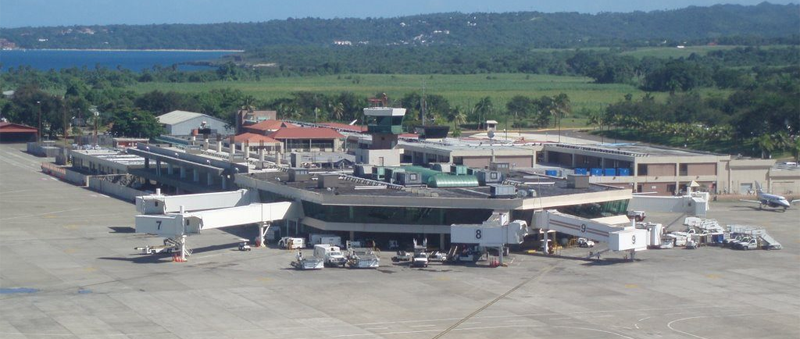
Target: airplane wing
{"x":794,"y":201}
{"x":750,"y":201}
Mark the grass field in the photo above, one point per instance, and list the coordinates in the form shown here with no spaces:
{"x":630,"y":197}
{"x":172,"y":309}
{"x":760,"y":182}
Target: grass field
{"x":673,"y":52}
{"x":464,"y":90}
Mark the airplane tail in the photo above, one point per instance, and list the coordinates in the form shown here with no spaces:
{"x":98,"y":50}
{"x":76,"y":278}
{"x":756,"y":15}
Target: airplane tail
{"x":758,"y":187}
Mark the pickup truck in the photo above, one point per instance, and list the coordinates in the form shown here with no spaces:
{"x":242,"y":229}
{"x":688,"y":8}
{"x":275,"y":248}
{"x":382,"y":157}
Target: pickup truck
{"x":731,"y":241}
{"x":420,"y":260}
{"x":751,"y":244}
{"x":402,"y":256}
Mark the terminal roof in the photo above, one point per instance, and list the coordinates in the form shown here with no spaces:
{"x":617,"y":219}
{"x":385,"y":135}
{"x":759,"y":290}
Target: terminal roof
{"x":544,"y":186}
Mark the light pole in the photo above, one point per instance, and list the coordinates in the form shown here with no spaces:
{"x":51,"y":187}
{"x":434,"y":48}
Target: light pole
{"x":96,"y":116}
{"x":39,"y":109}
{"x":64,"y":116}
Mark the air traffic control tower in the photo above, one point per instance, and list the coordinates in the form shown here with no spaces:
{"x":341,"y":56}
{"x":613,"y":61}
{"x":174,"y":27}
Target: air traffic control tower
{"x":384,"y":125}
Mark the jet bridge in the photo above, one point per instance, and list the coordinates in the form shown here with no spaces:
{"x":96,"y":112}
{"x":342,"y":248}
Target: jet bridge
{"x":619,"y":232}
{"x":496,"y":231}
{"x":206,"y":211}
{"x":163,"y":204}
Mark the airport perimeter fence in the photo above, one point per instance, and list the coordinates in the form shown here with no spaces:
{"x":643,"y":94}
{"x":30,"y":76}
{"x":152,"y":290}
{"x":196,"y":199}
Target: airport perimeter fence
{"x":76,"y":178}
{"x":114,"y":185}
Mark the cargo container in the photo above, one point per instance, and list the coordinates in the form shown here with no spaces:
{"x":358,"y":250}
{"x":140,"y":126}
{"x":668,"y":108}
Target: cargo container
{"x":501,"y":167}
{"x":441,"y":167}
{"x":503,"y":191}
{"x":408,"y":178}
{"x":624,"y":172}
{"x":488,"y":177}
{"x":458,"y":170}
{"x":552,"y":173}
{"x":597,"y":172}
{"x":391,"y":174}
{"x":610,"y":172}
{"x":581,"y":171}
{"x":378,"y":173}
{"x":363,"y":171}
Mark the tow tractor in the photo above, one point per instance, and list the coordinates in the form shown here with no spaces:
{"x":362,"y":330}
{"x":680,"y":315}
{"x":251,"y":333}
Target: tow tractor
{"x":170,"y":246}
{"x":243,"y":245}
{"x":420,"y":258}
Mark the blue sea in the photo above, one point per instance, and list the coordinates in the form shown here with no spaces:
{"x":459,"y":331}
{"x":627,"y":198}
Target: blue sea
{"x":133,"y":60}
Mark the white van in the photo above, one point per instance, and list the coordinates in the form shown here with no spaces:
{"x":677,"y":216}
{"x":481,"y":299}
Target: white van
{"x":291,"y":243}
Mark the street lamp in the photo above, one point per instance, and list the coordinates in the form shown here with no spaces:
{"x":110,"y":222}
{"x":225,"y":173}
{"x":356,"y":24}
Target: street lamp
{"x":96,"y":116}
{"x":39,"y":109}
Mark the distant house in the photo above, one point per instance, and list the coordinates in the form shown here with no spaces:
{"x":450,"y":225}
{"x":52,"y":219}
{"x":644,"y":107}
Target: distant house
{"x":267,"y":126}
{"x":246,"y":117}
{"x":255,"y":142}
{"x":182,"y":123}
{"x":309,"y":139}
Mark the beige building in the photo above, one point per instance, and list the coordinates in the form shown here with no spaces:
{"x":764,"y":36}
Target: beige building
{"x":471,"y":155}
{"x":667,"y":171}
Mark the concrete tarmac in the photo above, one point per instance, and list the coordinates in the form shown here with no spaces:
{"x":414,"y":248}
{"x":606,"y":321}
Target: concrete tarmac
{"x":68,"y":270}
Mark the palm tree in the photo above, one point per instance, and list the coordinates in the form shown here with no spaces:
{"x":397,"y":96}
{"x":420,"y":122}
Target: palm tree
{"x":560,"y":108}
{"x":766,"y":143}
{"x":248,"y":103}
{"x":337,"y":110}
{"x":794,"y":148}
{"x":483,"y":108}
{"x":460,"y":118}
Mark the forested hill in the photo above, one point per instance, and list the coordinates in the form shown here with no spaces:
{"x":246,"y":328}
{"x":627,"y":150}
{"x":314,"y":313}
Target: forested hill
{"x":720,"y":23}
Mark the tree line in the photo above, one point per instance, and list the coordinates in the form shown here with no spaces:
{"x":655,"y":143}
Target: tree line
{"x":764,"y":114}
{"x":729,"y":69}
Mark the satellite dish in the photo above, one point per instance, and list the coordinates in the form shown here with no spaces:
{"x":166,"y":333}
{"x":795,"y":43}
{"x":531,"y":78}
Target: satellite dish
{"x":490,"y":134}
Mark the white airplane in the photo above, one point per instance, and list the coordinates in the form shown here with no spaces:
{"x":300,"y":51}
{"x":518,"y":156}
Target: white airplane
{"x":770,"y":200}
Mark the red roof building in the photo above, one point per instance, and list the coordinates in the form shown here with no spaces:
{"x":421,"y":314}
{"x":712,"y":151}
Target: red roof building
{"x":309,"y":139}
{"x":255,"y":142}
{"x":17,"y":132}
{"x":254,"y":139}
{"x":267,"y":126}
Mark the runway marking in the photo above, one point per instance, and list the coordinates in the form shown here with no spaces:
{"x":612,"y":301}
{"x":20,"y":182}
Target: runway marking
{"x":443,"y":278}
{"x":643,"y":319}
{"x":669,"y":325}
{"x":90,"y":269}
{"x":70,"y":250}
{"x":597,"y":330}
{"x":422,"y":325}
{"x":712,"y":276}
{"x":41,"y":214}
{"x":265,"y":279}
{"x":537,"y":277}
{"x":631,"y":286}
{"x":71,"y":227}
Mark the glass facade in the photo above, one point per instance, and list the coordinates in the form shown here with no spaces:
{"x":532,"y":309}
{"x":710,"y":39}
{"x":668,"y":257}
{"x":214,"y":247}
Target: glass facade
{"x":589,"y":211}
{"x":395,"y":215}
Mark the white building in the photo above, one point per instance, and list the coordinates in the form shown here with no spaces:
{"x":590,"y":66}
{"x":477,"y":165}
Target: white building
{"x":182,"y":123}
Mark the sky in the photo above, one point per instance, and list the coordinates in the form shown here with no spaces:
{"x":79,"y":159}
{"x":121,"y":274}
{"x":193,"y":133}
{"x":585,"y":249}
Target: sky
{"x":21,"y":13}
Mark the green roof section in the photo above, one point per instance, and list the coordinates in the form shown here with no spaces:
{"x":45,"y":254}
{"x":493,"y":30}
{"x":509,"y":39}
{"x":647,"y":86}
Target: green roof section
{"x":445,"y":181}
